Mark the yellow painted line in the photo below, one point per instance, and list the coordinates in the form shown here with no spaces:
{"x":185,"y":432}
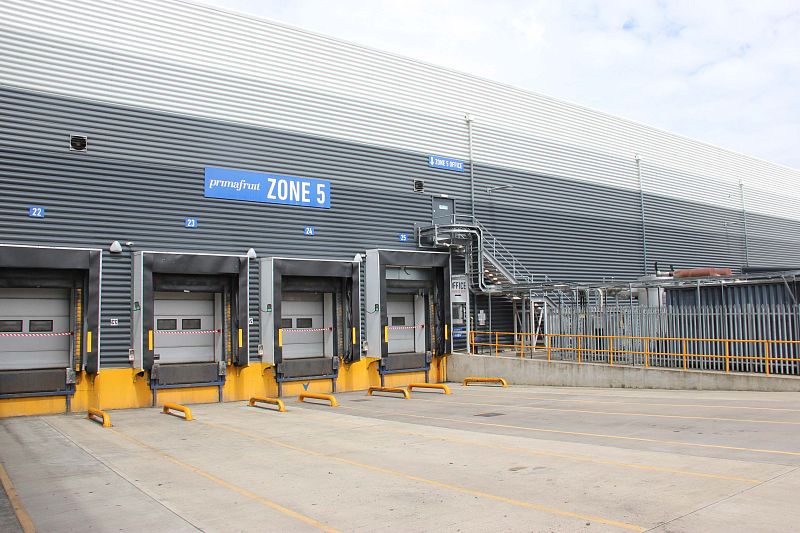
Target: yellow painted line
{"x":545,"y":453}
{"x":634,"y":400}
{"x":448,"y":486}
{"x":230,"y":486}
{"x":619,"y":413}
{"x":23,"y":517}
{"x":571,"y":457}
{"x":584,"y":434}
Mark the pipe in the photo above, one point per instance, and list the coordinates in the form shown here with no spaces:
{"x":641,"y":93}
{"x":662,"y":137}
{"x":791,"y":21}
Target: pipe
{"x":702,"y":272}
{"x":641,"y":205}
{"x":744,"y":225}
{"x":468,"y":118}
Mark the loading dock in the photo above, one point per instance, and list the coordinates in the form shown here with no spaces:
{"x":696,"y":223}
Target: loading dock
{"x":309,"y":317}
{"x":190,"y":318}
{"x":408,"y":309}
{"x":49,"y":316}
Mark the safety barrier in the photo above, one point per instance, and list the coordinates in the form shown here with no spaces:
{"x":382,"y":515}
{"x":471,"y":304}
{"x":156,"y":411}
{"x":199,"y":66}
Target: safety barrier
{"x":439,"y":386}
{"x":766,"y":356}
{"x":500,"y":381}
{"x":169,"y":407}
{"x":318,"y":396}
{"x":271,"y":401}
{"x":96,"y":415}
{"x":396,"y":390}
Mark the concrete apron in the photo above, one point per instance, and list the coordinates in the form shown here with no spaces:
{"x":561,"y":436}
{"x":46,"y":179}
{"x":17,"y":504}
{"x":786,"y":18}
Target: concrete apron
{"x":520,"y":371}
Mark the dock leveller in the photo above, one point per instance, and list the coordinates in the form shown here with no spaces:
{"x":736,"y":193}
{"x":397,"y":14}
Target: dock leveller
{"x":318,"y":396}
{"x":439,"y":386}
{"x":272,"y":401}
{"x":500,"y":381}
{"x":396,"y":390}
{"x":169,"y":407}
{"x":99,"y":416}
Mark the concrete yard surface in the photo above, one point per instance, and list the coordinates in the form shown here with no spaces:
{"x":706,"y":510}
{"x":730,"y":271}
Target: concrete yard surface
{"x":485,"y":458}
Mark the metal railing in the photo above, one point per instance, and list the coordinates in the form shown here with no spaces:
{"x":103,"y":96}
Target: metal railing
{"x":760,"y":356}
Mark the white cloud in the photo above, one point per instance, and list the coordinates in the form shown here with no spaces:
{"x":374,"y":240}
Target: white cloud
{"x":723,"y":71}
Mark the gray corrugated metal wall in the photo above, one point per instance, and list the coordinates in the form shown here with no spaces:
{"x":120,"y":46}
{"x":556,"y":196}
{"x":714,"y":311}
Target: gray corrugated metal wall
{"x":183,"y":58}
{"x":144,"y":173}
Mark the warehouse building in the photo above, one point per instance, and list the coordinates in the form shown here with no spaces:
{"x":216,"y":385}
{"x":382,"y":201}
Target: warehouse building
{"x":204,"y":206}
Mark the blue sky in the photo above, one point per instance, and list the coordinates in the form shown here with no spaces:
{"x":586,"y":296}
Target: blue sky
{"x":724,"y":72}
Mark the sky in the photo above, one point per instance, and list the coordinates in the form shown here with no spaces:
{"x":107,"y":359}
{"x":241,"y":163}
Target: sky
{"x":723,"y":72}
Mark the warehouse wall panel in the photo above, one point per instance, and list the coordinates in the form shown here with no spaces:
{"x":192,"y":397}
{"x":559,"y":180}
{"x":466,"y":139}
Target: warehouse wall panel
{"x":178,"y":57}
{"x":143,"y":173}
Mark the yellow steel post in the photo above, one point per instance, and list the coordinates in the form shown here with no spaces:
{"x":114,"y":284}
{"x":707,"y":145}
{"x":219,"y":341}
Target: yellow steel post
{"x":496,"y":347}
{"x":766,"y":357}
{"x":579,"y":348}
{"x":611,"y":351}
{"x":548,"y":340}
{"x":727,"y":356}
{"x":522,"y":346}
{"x":647,"y":352}
{"x":684,"y":355}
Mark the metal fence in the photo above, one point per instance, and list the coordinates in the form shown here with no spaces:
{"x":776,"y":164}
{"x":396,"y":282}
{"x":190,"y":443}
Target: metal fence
{"x":754,"y":339}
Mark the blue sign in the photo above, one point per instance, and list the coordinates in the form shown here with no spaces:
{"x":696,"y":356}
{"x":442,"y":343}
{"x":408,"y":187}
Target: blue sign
{"x":447,"y":163}
{"x":251,"y":186}
{"x":403,"y":237}
{"x":35,"y":211}
{"x":190,"y":222}
{"x":308,"y":230}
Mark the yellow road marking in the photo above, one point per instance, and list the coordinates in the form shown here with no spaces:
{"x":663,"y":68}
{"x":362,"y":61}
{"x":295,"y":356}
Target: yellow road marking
{"x":545,"y":453}
{"x":448,"y":486}
{"x":23,"y":517}
{"x":602,"y":393}
{"x":611,"y":462}
{"x":230,"y":486}
{"x":584,"y":434}
{"x":619,"y":413}
{"x":632,"y":400}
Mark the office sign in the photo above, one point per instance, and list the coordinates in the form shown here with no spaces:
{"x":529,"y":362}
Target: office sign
{"x":459,"y":290}
{"x":248,"y":186}
{"x":447,"y":163}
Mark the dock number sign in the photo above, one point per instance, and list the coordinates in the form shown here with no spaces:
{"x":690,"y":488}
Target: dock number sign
{"x":248,"y":186}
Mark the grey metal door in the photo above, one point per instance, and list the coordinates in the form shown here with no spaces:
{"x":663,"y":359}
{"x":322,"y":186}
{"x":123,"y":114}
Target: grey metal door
{"x":400,"y":313}
{"x":302,"y":322}
{"x":443,"y":210}
{"x":35,"y":330}
{"x":185,"y":327}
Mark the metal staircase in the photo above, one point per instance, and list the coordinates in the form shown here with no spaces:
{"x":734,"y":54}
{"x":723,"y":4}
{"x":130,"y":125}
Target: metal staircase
{"x":491,"y":267}
{"x":493,"y":270}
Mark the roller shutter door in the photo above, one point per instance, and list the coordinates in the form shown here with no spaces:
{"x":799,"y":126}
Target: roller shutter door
{"x":35,"y":330}
{"x":184,"y":327}
{"x":400,"y":313}
{"x":302,"y":319}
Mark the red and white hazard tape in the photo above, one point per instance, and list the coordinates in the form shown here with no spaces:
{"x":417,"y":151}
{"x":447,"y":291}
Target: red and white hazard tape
{"x":421,"y":326}
{"x":304,"y":330}
{"x":64,"y":334}
{"x":191,"y":332}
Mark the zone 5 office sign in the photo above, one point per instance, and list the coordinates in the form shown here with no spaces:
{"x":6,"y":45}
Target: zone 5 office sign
{"x":251,"y":186}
